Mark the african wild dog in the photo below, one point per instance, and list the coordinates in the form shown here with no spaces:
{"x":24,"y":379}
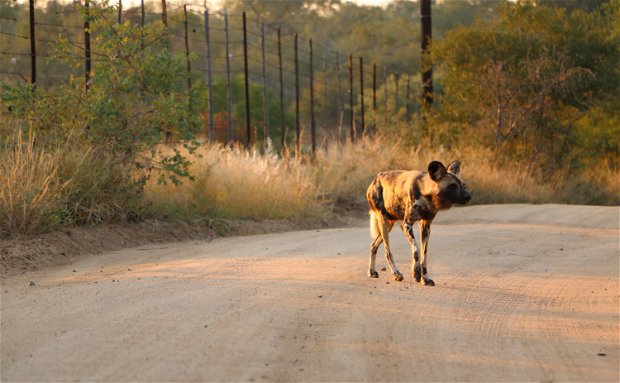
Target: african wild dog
{"x":410,"y":196}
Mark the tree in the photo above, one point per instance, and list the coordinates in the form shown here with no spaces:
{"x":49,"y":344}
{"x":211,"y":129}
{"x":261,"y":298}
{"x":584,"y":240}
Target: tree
{"x":521,"y":83}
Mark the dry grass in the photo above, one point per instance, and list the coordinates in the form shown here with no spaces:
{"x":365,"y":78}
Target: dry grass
{"x":69,"y":184}
{"x":45,"y":187}
{"x":346,"y":172}
{"x":29,"y":183}
{"x":239,"y":184}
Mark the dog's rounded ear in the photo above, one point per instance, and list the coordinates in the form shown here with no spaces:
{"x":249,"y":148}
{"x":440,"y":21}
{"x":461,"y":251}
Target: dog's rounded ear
{"x":454,"y":167}
{"x":436,"y":170}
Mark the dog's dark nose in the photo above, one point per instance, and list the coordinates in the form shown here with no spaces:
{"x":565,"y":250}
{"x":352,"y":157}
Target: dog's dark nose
{"x":466,"y":197}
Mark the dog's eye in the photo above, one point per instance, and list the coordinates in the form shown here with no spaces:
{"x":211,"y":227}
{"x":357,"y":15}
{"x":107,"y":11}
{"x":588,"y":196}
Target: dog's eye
{"x":452,"y":187}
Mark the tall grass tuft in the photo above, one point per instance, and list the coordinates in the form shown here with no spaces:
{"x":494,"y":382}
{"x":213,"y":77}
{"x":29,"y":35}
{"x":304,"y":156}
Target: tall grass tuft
{"x":239,"y":184}
{"x":46,"y":186}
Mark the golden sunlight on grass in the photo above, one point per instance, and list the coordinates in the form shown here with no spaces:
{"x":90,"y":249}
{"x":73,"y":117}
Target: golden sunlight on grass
{"x":249,"y":184}
{"x":240,"y":184}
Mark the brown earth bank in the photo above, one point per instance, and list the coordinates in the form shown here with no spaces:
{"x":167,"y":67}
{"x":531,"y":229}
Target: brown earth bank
{"x":524,"y":293}
{"x":18,"y":255}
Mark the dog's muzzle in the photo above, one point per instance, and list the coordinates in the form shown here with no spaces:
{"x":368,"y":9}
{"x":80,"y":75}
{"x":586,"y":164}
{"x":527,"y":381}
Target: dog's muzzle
{"x":465,"y":197}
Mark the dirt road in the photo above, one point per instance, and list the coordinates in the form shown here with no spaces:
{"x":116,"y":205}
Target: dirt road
{"x":524,"y":293}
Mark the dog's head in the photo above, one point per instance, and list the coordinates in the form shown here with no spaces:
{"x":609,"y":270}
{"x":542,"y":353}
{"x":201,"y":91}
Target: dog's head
{"x":451,"y":189}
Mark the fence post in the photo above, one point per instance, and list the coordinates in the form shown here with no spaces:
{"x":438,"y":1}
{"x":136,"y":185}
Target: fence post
{"x":385,"y":96}
{"x":297,"y":127}
{"x":142,"y":14}
{"x":312,"y":122}
{"x":142,"y":17}
{"x":209,"y":79}
{"x":87,"y":43}
{"x":228,"y":83}
{"x":248,"y":129}
{"x":396,"y":77}
{"x":164,"y":13}
{"x":164,"y":20}
{"x":282,"y":126}
{"x":374,"y":95}
{"x":340,"y":101}
{"x":33,"y":47}
{"x":189,"y":67}
{"x":407,"y":98}
{"x":362,"y":95}
{"x":265,"y":100}
{"x":324,"y":97}
{"x":352,"y":120}
{"x":120,"y":11}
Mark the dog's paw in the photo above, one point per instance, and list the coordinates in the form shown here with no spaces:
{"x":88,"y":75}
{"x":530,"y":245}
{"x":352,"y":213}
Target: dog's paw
{"x":398,"y":276}
{"x":428,"y":282}
{"x":373,"y":274}
{"x":417,"y":274}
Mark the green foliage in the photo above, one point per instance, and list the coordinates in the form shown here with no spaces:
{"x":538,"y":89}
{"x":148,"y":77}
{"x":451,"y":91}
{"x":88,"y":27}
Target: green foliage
{"x":522,"y":82}
{"x":137,"y":97}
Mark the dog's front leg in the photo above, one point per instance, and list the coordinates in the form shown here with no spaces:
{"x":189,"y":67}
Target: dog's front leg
{"x":415,"y":251}
{"x":414,"y":208}
{"x":425,"y":232}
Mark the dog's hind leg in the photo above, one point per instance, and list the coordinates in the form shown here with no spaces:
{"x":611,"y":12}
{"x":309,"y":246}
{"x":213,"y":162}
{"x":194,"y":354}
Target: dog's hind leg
{"x":425,"y":232}
{"x":377,"y":239}
{"x":384,"y":228}
{"x":372,"y":272}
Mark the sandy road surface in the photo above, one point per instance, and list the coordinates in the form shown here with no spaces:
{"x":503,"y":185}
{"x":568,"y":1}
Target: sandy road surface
{"x":524,"y":293}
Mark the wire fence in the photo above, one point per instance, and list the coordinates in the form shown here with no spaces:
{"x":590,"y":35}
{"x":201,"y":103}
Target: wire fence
{"x":308,"y":92}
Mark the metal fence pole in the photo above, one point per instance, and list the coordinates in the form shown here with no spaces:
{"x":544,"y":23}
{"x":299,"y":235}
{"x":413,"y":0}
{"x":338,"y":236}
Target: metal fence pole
{"x":297,"y":124}
{"x":142,"y":16}
{"x":352,"y":119}
{"x":312,"y":122}
{"x":248,"y":128}
{"x":228,"y":82}
{"x":265,"y":100}
{"x":87,"y":43}
{"x":164,"y":13}
{"x":209,"y":78}
{"x":189,"y":67}
{"x":385,"y":96}
{"x":374,"y":95}
{"x":407,"y":103}
{"x":362,"y":95}
{"x":396,"y":77}
{"x":282,"y":125}
{"x":340,"y":101}
{"x":33,"y":46}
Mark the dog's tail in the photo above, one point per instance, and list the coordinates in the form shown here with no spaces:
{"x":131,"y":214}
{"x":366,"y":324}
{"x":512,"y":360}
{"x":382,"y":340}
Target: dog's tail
{"x":374,"y":225}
